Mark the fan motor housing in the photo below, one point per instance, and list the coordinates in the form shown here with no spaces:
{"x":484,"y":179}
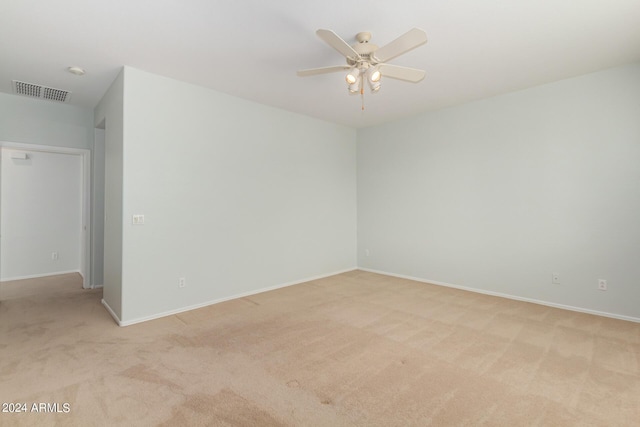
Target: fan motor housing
{"x":364,"y":49}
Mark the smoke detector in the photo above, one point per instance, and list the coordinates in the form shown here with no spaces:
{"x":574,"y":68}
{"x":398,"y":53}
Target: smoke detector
{"x":76,"y":70}
{"x":33,"y":90}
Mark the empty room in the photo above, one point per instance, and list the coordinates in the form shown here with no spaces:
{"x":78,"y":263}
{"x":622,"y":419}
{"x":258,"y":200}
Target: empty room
{"x":320,"y":214}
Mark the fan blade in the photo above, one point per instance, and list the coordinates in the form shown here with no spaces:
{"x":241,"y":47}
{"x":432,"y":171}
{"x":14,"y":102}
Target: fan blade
{"x":412,"y":75}
{"x":406,"y":42}
{"x":322,"y":70}
{"x":334,"y":40}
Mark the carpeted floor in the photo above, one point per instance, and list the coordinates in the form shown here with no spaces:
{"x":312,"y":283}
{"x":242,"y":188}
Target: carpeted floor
{"x":355,"y":349}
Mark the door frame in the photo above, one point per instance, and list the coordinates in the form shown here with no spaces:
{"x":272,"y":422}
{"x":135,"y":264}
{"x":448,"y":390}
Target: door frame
{"x":85,"y":239}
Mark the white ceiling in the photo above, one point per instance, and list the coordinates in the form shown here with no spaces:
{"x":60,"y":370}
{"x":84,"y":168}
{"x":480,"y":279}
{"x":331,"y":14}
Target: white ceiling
{"x":252,"y":48}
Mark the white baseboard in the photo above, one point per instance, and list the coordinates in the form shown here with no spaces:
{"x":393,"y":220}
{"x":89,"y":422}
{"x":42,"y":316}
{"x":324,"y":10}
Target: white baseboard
{"x":219,"y":300}
{"x":111,"y":312}
{"x":36,"y":276}
{"x":508,"y":296}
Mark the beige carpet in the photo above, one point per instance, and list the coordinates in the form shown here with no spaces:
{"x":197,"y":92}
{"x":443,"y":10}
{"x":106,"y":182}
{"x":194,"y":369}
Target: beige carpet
{"x":355,"y":349}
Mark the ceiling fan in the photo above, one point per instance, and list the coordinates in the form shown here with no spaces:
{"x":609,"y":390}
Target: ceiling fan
{"x":366,"y":61}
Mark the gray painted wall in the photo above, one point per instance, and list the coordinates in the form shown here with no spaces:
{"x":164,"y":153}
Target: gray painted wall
{"x":97,"y":197}
{"x":109,"y":115}
{"x":499,"y":194}
{"x":33,"y":121}
{"x":237,"y":196}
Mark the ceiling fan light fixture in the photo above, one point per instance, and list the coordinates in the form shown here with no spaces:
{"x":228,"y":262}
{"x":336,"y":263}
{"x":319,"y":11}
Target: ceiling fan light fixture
{"x":355,"y":86}
{"x":352,"y":76}
{"x":373,"y":74}
{"x":374,"y":86}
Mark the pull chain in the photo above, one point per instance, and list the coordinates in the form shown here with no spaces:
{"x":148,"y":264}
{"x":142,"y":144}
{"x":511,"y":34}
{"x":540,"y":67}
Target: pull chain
{"x":362,"y":96}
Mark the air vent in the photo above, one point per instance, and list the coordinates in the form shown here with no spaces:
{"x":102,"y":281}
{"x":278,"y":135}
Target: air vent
{"x":39,"y":91}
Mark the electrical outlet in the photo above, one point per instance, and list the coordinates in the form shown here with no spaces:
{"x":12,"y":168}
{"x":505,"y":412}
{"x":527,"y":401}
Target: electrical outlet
{"x":137,"y":219}
{"x":54,"y":256}
{"x":182,"y":282}
{"x":602,"y":284}
{"x":367,"y":252}
{"x":555,"y":278}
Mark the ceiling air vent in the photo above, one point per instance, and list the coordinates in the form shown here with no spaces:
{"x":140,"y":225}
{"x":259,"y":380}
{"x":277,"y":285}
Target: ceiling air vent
{"x":39,"y":91}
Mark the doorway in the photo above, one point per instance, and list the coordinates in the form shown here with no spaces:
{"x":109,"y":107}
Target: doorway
{"x":44,"y":211}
